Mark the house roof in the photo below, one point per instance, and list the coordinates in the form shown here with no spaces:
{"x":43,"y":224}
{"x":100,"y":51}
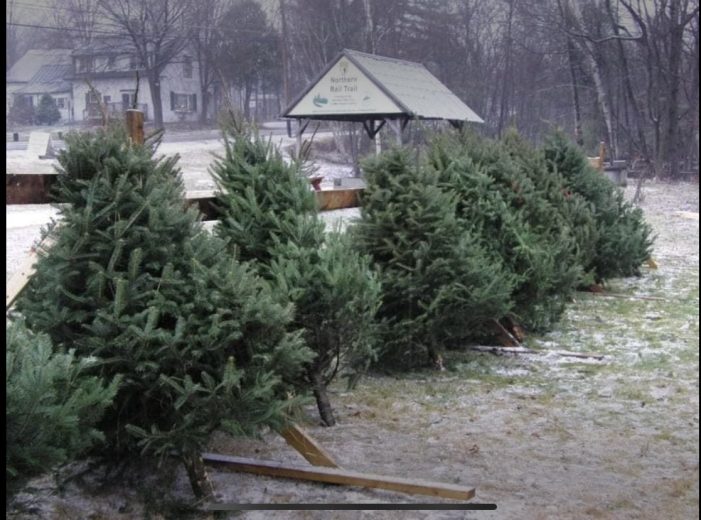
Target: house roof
{"x":51,"y":73}
{"x":369,"y":86}
{"x":49,"y":79}
{"x":34,"y":59}
{"x":54,"y":87}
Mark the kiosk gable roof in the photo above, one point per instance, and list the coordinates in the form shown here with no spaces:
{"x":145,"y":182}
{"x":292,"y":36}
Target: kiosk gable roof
{"x":409,"y":86}
{"x":415,"y":87}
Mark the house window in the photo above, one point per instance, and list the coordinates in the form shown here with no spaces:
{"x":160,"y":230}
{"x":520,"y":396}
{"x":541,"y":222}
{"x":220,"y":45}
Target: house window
{"x":183,"y":102}
{"x":133,"y":62}
{"x":84,"y":64}
{"x":127,"y":100}
{"x":111,"y":62}
{"x":91,"y":98}
{"x":106,"y":99}
{"x":187,"y":67}
{"x":61,"y":102}
{"x":24,"y":101}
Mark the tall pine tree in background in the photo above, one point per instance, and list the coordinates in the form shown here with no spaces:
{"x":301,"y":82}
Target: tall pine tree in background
{"x":134,"y":281}
{"x":47,"y":112}
{"x":269,"y":215}
{"x":439,"y":285}
{"x":623,"y":238}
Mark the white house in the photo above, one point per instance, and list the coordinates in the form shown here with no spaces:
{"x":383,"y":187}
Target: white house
{"x":103,"y":75}
{"x":106,"y":78}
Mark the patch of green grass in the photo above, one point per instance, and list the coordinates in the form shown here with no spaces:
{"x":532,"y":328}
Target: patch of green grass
{"x":621,"y":503}
{"x":633,"y":393}
{"x":680,"y":487}
{"x":586,"y":369}
{"x":668,"y":436}
{"x":653,"y":362}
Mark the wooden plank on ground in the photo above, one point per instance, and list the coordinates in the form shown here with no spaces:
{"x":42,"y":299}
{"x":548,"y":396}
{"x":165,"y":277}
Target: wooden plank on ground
{"x":585,"y":355}
{"x":514,"y":328}
{"x":691,"y":215}
{"x":339,"y":476}
{"x":307,"y":446}
{"x":631,"y":296}
{"x":21,"y":277}
{"x":504,"y":336}
{"x":503,"y":350}
{"x":523,"y":350}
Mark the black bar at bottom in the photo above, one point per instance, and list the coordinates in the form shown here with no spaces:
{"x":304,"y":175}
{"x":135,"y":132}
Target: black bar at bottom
{"x":350,"y":507}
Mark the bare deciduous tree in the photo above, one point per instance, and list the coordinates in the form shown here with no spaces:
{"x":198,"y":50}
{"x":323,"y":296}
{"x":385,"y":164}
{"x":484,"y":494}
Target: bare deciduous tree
{"x":158,"y":31}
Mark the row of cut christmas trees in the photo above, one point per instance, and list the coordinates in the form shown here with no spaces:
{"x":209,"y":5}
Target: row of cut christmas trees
{"x":145,"y":332}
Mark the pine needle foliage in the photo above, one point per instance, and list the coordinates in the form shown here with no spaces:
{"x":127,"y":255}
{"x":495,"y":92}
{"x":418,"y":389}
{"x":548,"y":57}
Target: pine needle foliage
{"x":199,"y":341}
{"x":518,"y":210}
{"x":623,"y":239}
{"x":51,"y":406}
{"x":439,"y":284}
{"x":269,"y":215}
{"x":262,"y":200}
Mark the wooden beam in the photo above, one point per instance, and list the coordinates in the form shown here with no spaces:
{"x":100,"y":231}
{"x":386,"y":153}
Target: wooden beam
{"x":505,"y":337}
{"x":339,"y":476}
{"x":585,"y":355}
{"x":21,"y":277}
{"x":371,"y":129}
{"x":514,"y":328}
{"x":628,"y":296}
{"x":28,"y":188}
{"x":397,"y":126}
{"x":525,"y":350}
{"x":327,"y":200}
{"x":496,"y":349}
{"x":307,"y":446}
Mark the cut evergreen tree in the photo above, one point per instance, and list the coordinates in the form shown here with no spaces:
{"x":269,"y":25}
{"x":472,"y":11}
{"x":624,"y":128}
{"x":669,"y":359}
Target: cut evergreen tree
{"x":269,"y":215}
{"x":336,"y":297}
{"x":134,"y":281}
{"x":509,"y":199}
{"x":623,"y":238}
{"x":51,"y":406}
{"x":439,"y":285}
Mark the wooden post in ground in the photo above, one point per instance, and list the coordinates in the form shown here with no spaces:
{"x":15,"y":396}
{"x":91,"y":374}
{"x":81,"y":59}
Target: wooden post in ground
{"x":397,"y":126}
{"x":135,"y":125}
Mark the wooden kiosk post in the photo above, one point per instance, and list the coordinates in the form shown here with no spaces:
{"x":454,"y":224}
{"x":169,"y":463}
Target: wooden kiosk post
{"x":135,"y":125}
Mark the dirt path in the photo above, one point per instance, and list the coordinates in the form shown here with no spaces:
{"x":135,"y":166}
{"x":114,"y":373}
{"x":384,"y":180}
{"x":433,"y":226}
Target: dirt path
{"x":542,"y":436}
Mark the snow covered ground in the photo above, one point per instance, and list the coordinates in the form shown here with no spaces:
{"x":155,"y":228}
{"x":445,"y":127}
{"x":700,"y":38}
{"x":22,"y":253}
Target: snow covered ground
{"x":542,"y":436}
{"x":539,"y":435}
